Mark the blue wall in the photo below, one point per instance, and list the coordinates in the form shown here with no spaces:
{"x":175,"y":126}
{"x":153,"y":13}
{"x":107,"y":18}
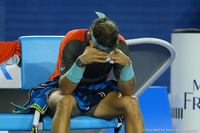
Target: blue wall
{"x":135,"y":18}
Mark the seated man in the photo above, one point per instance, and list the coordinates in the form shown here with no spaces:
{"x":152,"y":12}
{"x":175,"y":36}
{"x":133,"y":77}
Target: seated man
{"x":85,"y":60}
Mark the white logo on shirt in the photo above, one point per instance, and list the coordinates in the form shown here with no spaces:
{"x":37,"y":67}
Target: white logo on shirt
{"x":62,"y":68}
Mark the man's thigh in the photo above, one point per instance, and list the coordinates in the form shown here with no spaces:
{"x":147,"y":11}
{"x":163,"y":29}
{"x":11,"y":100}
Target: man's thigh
{"x":110,"y":106}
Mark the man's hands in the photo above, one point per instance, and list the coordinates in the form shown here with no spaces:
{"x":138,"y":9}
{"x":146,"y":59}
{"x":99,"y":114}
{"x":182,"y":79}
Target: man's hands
{"x":91,"y":55}
{"x":120,"y":58}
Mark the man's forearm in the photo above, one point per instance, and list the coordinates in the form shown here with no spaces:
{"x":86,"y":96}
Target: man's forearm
{"x":70,"y":80}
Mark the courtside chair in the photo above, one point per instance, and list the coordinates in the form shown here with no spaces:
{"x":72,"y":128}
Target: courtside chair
{"x":150,"y":56}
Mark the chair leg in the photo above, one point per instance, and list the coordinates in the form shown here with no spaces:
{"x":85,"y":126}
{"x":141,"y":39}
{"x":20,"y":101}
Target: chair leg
{"x":35,"y":122}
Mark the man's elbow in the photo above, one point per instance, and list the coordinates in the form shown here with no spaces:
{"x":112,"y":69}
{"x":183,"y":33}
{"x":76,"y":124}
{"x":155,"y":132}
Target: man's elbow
{"x":127,"y":89}
{"x":66,"y":86}
{"x":62,"y":85}
{"x":131,"y":83}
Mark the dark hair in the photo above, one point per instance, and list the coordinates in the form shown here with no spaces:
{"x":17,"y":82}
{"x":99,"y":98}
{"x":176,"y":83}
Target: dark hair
{"x":106,"y":32}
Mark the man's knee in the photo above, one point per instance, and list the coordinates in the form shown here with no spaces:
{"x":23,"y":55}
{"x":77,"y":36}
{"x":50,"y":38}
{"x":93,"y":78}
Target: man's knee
{"x":66,"y":103}
{"x":131,"y":104}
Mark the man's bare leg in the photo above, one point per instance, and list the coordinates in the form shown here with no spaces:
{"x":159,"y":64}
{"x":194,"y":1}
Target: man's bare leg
{"x":62,"y":107}
{"x":133,"y":119}
{"x":112,"y":106}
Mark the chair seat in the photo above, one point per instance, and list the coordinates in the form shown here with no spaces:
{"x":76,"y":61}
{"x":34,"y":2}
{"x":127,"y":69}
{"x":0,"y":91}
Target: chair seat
{"x":23,"y":122}
{"x":16,"y":122}
{"x":84,"y":122}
